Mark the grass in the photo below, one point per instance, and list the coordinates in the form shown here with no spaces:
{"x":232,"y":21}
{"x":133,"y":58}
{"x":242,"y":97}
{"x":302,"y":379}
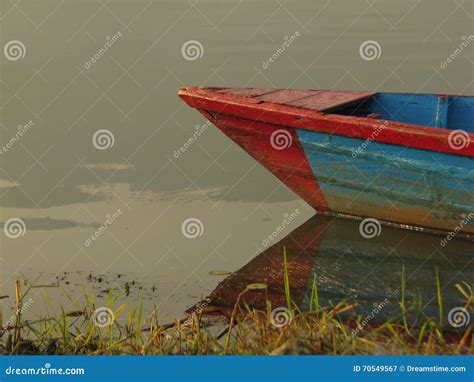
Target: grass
{"x":334,"y":330}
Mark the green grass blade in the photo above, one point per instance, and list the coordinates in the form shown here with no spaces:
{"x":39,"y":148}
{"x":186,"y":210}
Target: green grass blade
{"x":286,"y":279}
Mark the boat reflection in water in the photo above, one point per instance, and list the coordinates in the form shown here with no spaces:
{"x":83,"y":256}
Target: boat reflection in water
{"x":348,"y":266}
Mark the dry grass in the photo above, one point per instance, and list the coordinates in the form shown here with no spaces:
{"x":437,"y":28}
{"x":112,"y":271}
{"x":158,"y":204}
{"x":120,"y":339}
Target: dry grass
{"x":319,"y":331}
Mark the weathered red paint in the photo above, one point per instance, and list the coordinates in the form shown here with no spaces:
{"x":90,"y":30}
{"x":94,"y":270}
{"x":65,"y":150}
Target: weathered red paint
{"x":245,"y":92}
{"x":255,"y":109}
{"x":330,"y":100}
{"x":285,"y":96}
{"x":290,"y":164}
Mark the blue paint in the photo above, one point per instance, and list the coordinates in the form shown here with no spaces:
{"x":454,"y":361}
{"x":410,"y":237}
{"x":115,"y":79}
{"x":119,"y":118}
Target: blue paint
{"x":451,"y":112}
{"x":461,"y":114}
{"x":391,"y":182}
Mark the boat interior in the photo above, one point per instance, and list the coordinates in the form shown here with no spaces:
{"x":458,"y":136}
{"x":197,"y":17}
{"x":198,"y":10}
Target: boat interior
{"x":442,"y":111}
{"x":447,"y":112}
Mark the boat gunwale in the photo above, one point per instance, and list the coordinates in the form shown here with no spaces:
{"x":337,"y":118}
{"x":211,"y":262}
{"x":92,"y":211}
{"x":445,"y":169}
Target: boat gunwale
{"x":433,"y":139}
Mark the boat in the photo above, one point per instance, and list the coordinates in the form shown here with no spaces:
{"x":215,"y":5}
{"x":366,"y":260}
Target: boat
{"x":399,"y":158}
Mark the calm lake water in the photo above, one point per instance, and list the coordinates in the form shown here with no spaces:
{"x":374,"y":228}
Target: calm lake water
{"x":103,"y":178}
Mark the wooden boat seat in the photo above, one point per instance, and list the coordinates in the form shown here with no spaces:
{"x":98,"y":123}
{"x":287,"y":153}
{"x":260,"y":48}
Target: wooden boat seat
{"x":317,"y":100}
